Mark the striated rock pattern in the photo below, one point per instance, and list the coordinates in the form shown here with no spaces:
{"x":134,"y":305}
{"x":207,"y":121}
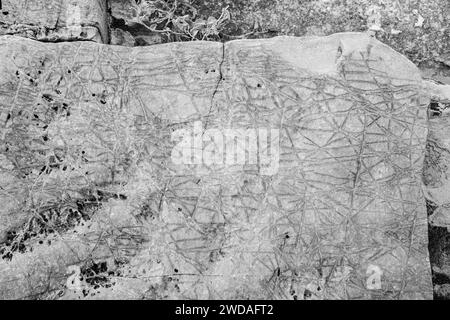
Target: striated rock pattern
{"x":55,"y":20}
{"x":94,"y":205}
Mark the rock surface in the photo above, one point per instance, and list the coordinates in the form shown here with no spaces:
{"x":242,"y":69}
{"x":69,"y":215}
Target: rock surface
{"x":55,"y":20}
{"x":91,"y":186}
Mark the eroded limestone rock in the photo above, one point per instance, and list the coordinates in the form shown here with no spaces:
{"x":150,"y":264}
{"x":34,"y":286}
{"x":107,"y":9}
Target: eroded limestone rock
{"x":55,"y":20}
{"x":90,"y":184}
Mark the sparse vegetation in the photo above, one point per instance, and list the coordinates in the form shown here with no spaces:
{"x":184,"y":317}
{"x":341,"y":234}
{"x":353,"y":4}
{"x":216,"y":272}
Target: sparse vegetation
{"x":178,"y":20}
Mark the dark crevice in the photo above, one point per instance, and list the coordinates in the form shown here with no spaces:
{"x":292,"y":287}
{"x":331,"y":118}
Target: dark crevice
{"x":434,"y":110}
{"x":439,"y":251}
{"x":221,"y":78}
{"x":219,"y":81}
{"x":66,"y":40}
{"x":135,"y":29}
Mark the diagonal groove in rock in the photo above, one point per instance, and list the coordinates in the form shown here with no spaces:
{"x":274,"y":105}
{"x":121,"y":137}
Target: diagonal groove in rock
{"x":93,"y":124}
{"x":217,"y":85}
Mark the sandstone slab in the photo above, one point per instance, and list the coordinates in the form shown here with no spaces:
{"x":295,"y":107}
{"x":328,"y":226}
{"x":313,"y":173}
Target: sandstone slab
{"x":89,"y":178}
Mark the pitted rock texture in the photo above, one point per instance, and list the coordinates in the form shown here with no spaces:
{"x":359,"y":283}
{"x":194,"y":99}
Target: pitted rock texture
{"x":55,"y":20}
{"x":95,"y":207}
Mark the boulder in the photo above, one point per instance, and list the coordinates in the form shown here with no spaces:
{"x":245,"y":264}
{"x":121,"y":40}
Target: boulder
{"x":278,"y":168}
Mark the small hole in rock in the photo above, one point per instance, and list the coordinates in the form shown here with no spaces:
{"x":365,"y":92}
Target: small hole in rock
{"x":307,"y":294}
